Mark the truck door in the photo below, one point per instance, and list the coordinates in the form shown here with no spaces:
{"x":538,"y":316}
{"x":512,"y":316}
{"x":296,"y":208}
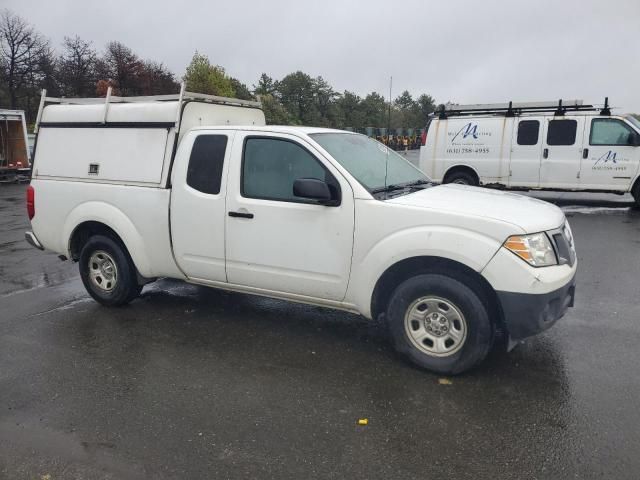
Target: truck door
{"x":561,"y":152}
{"x":275,"y":240}
{"x":526,"y":152}
{"x":609,"y":157}
{"x":198,"y":210}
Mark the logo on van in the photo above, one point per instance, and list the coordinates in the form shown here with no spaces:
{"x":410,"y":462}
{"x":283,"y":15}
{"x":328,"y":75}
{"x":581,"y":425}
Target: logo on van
{"x":610,"y":161}
{"x":468,"y":129}
{"x":610,"y":156}
{"x":469,"y":132}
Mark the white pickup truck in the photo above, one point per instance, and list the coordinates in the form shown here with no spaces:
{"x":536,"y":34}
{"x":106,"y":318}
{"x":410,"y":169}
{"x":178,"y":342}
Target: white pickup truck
{"x":565,"y":146}
{"x":198,"y":188}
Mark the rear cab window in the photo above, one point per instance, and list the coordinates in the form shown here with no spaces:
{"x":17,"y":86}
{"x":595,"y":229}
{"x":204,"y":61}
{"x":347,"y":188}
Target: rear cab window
{"x":206,"y":162}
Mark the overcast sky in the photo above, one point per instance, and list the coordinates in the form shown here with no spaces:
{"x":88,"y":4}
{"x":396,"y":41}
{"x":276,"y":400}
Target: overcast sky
{"x":465,"y":51}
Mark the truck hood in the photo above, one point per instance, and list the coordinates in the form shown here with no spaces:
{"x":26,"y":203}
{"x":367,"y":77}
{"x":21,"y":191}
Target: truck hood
{"x":530,"y":214}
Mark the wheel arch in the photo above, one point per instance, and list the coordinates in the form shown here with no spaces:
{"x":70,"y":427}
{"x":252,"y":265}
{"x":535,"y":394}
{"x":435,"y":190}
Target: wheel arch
{"x":461,"y":168}
{"x":412,"y":266}
{"x":98,"y":218}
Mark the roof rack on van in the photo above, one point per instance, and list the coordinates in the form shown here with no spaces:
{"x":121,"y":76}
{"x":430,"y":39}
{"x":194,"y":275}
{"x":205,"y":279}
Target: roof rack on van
{"x":181,"y":97}
{"x":511,"y":108}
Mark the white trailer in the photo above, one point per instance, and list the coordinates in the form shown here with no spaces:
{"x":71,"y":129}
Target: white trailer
{"x":14,"y":152}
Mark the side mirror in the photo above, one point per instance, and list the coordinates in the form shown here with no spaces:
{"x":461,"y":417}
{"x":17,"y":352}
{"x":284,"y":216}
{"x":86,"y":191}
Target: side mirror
{"x":634,"y":139}
{"x":313,"y":189}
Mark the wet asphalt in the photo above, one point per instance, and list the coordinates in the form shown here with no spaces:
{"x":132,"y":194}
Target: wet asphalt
{"x":189,"y":382}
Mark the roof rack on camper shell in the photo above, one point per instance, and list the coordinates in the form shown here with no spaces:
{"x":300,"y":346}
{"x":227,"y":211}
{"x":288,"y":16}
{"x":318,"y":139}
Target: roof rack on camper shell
{"x":512,"y":109}
{"x":181,"y":98}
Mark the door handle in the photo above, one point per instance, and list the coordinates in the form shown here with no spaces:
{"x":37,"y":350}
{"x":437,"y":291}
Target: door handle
{"x":241,"y":214}
{"x":585,"y":153}
{"x":545,"y":153}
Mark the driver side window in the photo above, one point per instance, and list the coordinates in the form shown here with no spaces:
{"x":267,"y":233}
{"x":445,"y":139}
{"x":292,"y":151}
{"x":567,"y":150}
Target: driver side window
{"x":270,"y":166}
{"x":609,"y":131}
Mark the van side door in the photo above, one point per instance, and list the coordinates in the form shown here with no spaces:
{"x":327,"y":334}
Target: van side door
{"x":275,"y":240}
{"x":562,"y":152}
{"x":610,"y":157}
{"x":526,"y":152}
{"x":198,"y":204}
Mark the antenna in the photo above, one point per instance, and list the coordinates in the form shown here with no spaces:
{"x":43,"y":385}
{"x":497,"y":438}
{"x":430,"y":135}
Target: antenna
{"x":389,"y":115}
{"x":386,"y":164}
{"x":606,"y":111}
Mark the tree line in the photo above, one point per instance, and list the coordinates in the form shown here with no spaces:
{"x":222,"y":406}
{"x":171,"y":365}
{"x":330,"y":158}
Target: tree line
{"x":29,"y":63}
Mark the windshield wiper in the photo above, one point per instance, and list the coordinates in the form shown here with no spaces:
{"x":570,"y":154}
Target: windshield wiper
{"x":418,"y":183}
{"x":401,"y":186}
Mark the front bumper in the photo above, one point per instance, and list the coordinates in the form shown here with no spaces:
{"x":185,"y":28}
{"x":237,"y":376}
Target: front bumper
{"x":526,"y":314}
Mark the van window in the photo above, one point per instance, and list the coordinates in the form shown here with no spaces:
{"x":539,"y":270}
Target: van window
{"x":270,"y":166}
{"x":528,"y":132}
{"x":205,"y":163}
{"x":609,"y":131}
{"x":562,"y":132}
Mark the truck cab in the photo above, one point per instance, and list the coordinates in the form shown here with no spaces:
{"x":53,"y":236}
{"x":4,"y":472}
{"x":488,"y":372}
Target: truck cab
{"x":198,"y":188}
{"x":535,"y":146}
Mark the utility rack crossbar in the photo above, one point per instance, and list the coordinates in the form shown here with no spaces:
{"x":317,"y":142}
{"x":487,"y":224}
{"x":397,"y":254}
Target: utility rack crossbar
{"x":512,"y":109}
{"x":181,"y":97}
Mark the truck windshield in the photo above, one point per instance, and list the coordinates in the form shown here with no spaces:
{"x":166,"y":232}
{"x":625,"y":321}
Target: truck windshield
{"x":375,"y":166}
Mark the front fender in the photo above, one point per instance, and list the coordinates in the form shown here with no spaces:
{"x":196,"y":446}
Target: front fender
{"x":469,"y":248}
{"x":115,"y":219}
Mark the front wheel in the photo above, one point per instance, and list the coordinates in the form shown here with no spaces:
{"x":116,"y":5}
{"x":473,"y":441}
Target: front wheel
{"x":636,"y":194}
{"x":439,"y":323}
{"x":107,"y":272}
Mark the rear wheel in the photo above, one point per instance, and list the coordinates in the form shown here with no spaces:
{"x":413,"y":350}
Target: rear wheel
{"x":462,"y":178}
{"x":107,"y":272}
{"x":439,"y":323}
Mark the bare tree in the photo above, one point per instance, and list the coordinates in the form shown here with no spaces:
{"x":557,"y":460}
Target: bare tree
{"x":77,"y":68}
{"x":121,"y":68}
{"x":21,"y":52}
{"x":156,"y":79}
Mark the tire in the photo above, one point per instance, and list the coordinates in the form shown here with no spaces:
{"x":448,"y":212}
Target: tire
{"x":636,"y":194}
{"x":419,"y":303}
{"x":462,"y":178}
{"x":107,"y":272}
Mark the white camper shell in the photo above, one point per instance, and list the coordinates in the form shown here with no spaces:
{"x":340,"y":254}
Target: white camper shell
{"x":128,"y":140}
{"x":544,"y":146}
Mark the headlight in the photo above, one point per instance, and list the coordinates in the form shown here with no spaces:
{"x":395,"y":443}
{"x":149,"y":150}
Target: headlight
{"x":534,"y":249}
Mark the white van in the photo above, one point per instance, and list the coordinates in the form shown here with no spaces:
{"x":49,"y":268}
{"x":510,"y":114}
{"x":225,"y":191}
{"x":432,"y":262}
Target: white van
{"x":544,"y":146}
{"x":198,"y":188}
